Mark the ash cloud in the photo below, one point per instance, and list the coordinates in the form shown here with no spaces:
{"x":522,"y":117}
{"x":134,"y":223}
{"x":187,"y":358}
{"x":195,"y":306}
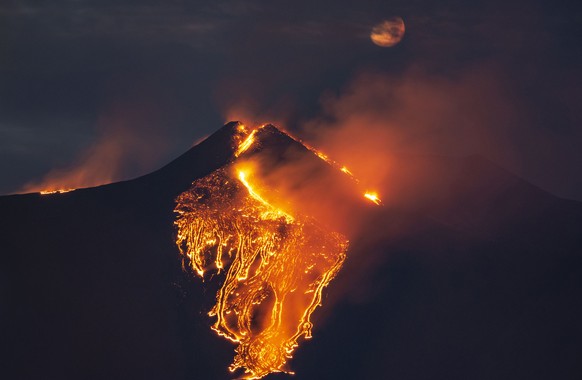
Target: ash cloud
{"x":476,"y":111}
{"x":377,"y":116}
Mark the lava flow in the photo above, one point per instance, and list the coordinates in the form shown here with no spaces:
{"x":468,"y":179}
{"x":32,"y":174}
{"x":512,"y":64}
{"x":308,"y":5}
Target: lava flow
{"x":59,"y":191}
{"x":275,"y":262}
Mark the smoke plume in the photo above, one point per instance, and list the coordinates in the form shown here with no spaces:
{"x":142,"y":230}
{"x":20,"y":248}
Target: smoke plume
{"x":132,"y":136}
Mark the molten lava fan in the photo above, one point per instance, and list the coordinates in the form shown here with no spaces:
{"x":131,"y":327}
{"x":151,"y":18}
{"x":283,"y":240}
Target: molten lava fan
{"x":275,"y":265}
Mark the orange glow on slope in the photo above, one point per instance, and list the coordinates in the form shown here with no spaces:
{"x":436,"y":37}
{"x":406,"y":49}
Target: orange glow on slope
{"x":331,"y":162}
{"x":246,"y":144}
{"x":373,"y":197}
{"x":248,"y":141}
{"x":59,"y":191}
{"x":323,"y":156}
{"x":346,"y":170}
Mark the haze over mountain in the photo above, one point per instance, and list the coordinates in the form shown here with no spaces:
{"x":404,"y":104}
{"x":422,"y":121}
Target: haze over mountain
{"x":478,"y":278}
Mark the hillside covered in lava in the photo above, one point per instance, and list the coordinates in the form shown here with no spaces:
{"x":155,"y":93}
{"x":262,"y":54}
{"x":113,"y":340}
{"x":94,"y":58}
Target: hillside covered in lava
{"x":464,"y":271}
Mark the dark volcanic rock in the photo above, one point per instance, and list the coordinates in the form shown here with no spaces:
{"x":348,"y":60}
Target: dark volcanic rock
{"x":480,"y":279}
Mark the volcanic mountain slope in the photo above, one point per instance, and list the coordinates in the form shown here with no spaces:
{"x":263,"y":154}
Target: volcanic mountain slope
{"x":480,"y":278}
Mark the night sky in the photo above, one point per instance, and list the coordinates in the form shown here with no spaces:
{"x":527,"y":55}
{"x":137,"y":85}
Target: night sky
{"x":133,"y":84}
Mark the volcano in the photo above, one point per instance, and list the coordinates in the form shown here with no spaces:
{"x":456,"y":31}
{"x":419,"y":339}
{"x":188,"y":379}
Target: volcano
{"x":479,"y":278}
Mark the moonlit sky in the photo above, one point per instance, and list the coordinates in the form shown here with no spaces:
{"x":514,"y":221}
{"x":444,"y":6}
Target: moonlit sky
{"x":498,"y":78}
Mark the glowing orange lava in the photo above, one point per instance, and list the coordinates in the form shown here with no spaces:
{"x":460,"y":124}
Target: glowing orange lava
{"x":346,"y":170}
{"x":274,"y":263}
{"x":373,"y":197}
{"x":277,"y":266}
{"x":59,"y":191}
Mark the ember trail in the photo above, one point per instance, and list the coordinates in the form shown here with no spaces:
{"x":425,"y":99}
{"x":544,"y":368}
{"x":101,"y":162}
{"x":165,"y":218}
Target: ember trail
{"x":275,"y":264}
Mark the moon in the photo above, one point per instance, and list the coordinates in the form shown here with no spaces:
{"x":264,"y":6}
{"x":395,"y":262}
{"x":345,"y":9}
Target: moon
{"x":388,"y":33}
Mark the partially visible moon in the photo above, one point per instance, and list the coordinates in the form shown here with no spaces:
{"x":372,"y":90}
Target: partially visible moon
{"x":388,"y":33}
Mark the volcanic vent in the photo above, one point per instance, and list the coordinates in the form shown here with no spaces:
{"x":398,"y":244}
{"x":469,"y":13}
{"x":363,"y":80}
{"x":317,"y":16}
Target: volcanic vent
{"x":261,"y":227}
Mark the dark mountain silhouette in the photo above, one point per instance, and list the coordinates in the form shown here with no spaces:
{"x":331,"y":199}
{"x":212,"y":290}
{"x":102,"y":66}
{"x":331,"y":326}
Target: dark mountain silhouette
{"x":478,"y":278}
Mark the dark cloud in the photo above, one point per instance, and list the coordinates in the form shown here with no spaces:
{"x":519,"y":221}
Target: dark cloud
{"x":64,"y":64}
